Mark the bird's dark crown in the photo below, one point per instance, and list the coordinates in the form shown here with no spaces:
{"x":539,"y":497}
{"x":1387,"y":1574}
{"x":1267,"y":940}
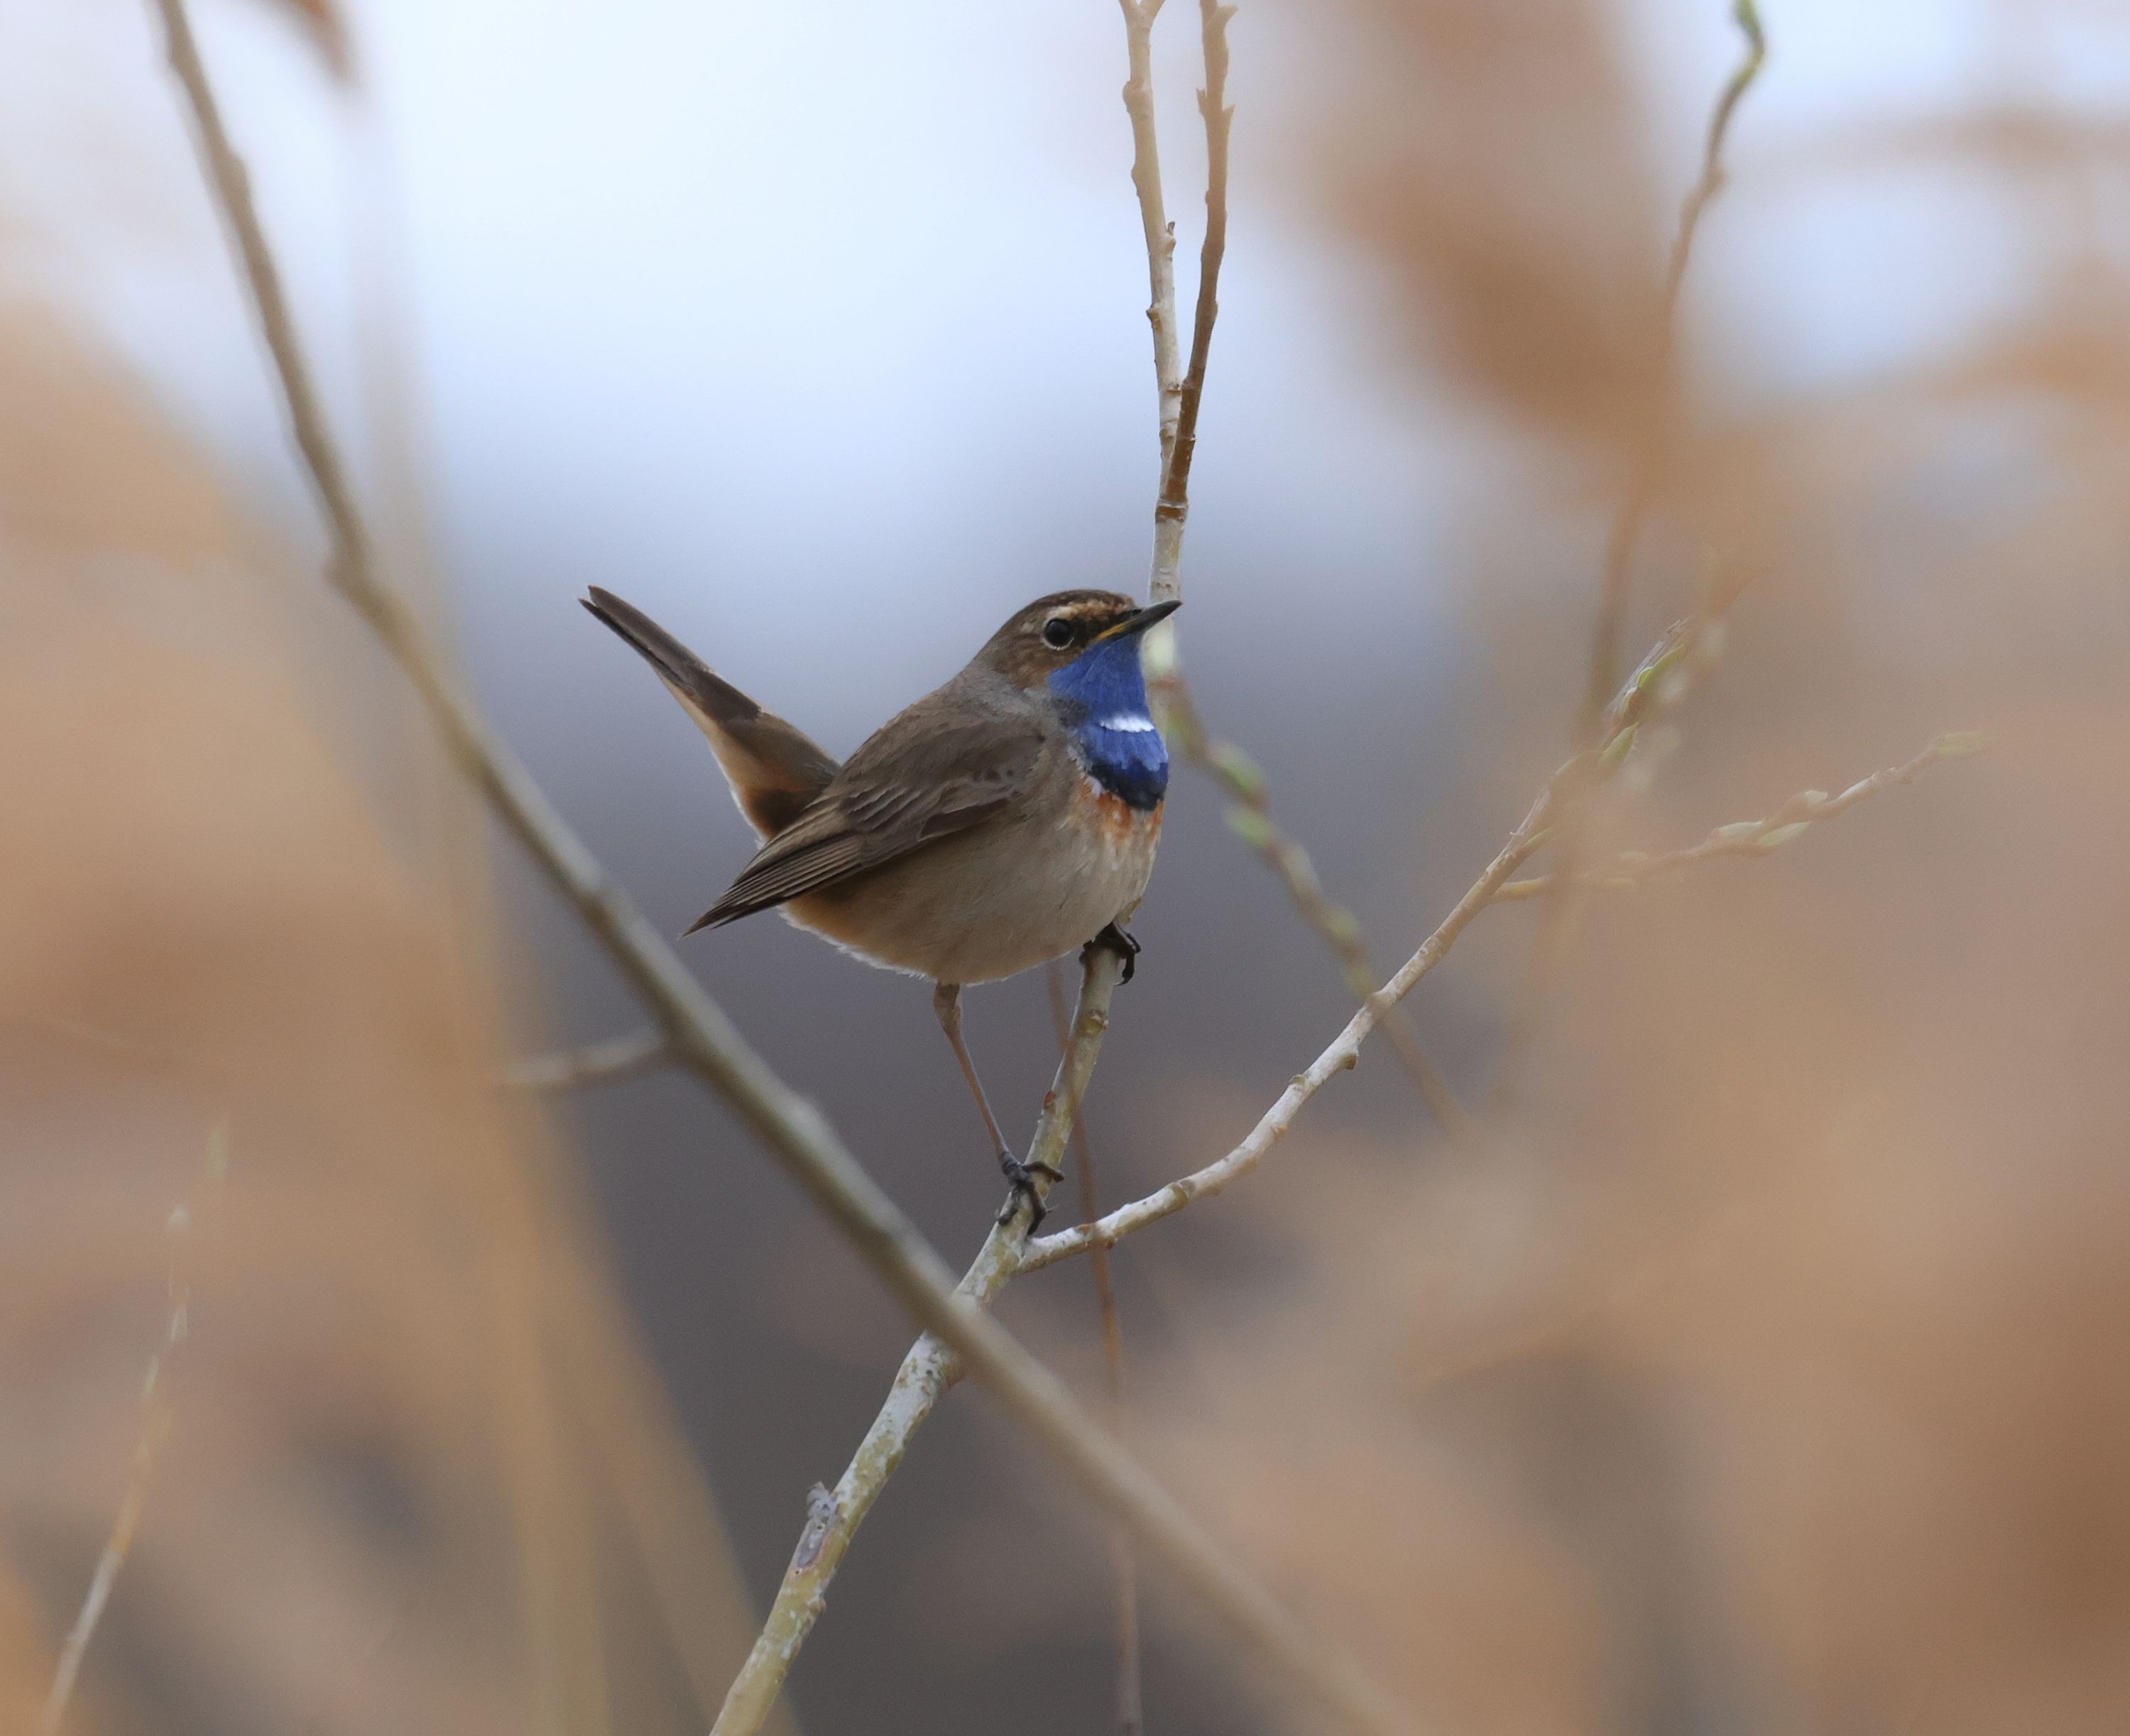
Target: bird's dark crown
{"x":1053,"y":631}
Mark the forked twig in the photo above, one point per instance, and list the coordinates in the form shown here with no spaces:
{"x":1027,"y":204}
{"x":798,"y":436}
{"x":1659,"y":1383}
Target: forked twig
{"x":705,"y":1041}
{"x":1181,"y":397}
{"x":835,"y":1515}
{"x":1160,"y":233}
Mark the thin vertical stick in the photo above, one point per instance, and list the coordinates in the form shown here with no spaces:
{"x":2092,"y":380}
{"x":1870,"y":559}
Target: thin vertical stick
{"x":1656,"y":431}
{"x":1124,"y":1571}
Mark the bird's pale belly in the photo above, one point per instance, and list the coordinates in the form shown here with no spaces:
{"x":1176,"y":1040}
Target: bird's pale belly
{"x":998,"y":899}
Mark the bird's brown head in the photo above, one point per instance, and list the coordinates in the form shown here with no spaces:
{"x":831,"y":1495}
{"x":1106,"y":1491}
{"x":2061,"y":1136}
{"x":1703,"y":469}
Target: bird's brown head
{"x":1054,"y":632}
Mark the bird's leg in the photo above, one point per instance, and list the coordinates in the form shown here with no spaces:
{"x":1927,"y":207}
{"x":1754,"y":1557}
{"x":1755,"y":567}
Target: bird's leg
{"x":1115,"y":938}
{"x":947,"y":1003}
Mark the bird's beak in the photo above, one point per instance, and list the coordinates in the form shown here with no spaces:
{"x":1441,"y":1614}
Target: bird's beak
{"x":1139,"y":620}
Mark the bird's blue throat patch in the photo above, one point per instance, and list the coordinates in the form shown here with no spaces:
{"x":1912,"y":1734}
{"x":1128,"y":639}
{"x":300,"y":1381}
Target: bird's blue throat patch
{"x":1103,"y":695}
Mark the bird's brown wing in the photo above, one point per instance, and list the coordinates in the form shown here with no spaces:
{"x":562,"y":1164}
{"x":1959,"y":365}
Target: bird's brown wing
{"x":775,"y":773}
{"x":926,"y":776}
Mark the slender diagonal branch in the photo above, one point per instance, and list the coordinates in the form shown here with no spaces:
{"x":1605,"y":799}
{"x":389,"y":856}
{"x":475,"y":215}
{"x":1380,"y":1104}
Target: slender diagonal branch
{"x":1790,"y":822}
{"x":154,"y":1428}
{"x":704,"y":1040}
{"x":1341,"y":1056}
{"x":1124,"y":1571}
{"x":1644,"y":693}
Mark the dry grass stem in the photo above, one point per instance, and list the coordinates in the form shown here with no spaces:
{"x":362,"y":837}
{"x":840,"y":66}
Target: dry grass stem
{"x":1754,"y":837}
{"x":607,"y":1062}
{"x":704,"y":1040}
{"x":155,"y":1428}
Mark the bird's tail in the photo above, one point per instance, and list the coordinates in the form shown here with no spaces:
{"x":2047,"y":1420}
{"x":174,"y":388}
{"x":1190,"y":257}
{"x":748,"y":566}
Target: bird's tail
{"x":775,"y":771}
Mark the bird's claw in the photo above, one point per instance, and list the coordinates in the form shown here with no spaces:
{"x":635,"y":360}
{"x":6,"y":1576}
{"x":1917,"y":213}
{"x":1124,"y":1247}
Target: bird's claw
{"x":1020,"y":1177}
{"x":1119,"y":942}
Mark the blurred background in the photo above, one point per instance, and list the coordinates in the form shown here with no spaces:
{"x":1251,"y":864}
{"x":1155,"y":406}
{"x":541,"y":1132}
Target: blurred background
{"x":1759,"y":1364}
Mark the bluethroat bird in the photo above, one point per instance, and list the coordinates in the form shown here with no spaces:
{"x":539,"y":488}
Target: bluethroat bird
{"x":1005,"y":818}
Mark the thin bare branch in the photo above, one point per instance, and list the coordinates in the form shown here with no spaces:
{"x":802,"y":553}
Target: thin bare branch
{"x":607,"y":1062}
{"x":704,"y":1040}
{"x":835,"y":1515}
{"x":1124,"y":1571}
{"x":1755,"y":837}
{"x":1645,"y":476}
{"x":155,"y":1428}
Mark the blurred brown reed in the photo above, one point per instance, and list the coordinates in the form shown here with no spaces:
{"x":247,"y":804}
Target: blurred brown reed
{"x":417,"y":1474}
{"x":1768,"y":1373}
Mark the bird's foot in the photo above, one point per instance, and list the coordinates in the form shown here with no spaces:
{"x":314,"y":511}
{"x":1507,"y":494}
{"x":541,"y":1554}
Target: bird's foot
{"x":1119,"y":942}
{"x":1020,"y":1177}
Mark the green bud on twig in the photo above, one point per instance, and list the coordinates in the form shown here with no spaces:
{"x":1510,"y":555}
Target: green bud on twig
{"x":1242,"y":773}
{"x":1783,"y":834}
{"x":1252,"y":827}
{"x":1960,"y":744}
{"x":1615,"y":750}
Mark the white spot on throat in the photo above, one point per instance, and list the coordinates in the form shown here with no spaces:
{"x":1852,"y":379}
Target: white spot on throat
{"x":1133,"y":722}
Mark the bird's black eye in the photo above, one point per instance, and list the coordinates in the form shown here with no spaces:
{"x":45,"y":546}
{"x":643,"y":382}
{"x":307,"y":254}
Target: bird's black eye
{"x":1057,"y":632}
